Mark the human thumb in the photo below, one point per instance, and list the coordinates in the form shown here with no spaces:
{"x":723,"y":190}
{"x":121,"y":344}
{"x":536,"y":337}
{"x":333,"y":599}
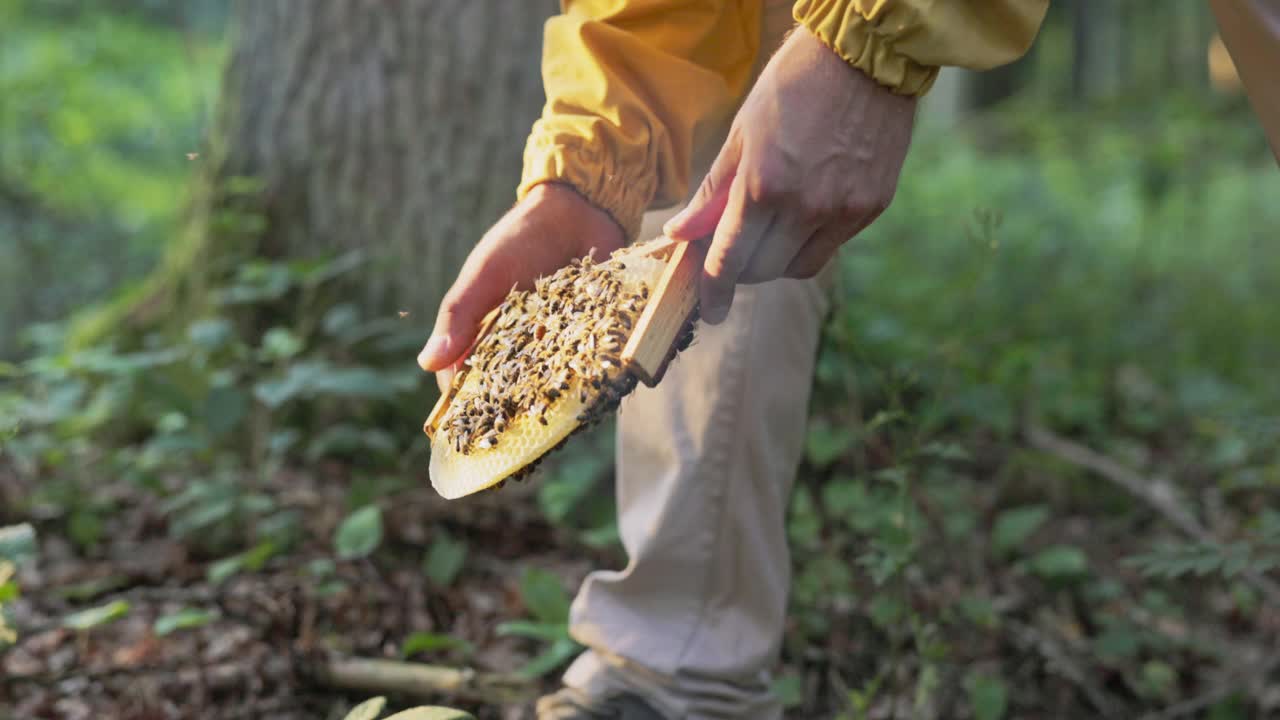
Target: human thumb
{"x":700,"y":217}
{"x":458,"y":322}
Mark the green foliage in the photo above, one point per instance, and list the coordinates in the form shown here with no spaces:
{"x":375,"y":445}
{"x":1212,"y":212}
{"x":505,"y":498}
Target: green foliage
{"x":1070,"y":290}
{"x":101,"y":109}
{"x":826,"y":443}
{"x":545,"y":598}
{"x":1014,"y":526}
{"x":1060,"y":562}
{"x":96,"y":617}
{"x":222,"y":406}
{"x":425,"y":642}
{"x":574,"y":492}
{"x":790,"y":690}
{"x":988,"y":696}
{"x":17,"y":543}
{"x":185,"y":619}
{"x":1170,"y":560}
{"x":359,"y":534}
{"x":445,"y":559}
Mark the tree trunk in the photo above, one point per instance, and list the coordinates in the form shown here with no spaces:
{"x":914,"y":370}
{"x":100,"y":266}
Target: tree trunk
{"x":395,"y":127}
{"x":392,"y":126}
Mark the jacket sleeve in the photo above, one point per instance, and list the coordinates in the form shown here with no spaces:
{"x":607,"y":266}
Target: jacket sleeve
{"x":629,"y":84}
{"x":902,"y":43}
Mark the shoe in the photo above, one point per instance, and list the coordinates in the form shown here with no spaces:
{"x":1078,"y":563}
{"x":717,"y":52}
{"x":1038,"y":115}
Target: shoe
{"x":572,"y":704}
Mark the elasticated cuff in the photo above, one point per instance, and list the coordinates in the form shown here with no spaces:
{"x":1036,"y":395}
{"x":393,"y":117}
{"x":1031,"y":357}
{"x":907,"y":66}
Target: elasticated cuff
{"x":622,"y":192}
{"x":867,"y":43}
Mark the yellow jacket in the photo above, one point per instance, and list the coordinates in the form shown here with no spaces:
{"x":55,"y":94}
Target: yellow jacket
{"x":631,"y":83}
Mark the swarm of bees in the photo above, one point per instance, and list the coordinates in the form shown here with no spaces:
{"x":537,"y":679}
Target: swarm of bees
{"x":549,"y":363}
{"x":571,"y":326}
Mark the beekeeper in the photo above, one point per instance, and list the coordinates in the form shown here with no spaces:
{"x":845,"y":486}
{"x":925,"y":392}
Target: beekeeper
{"x":797,"y":116}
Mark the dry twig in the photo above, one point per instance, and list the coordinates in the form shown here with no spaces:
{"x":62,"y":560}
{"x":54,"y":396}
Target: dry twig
{"x":418,"y":680}
{"x":1155,"y":494}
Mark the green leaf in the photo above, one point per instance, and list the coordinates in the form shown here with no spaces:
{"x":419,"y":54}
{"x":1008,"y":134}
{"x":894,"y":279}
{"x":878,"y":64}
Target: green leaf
{"x":988,"y":696}
{"x":1060,"y":562}
{"x":980,"y":611}
{"x":1118,"y":642}
{"x":85,"y":526}
{"x":224,"y":408}
{"x":789,"y":689}
{"x":555,"y":655}
{"x":425,"y":642}
{"x":887,"y":611}
{"x":603,"y":537}
{"x":544,"y":596}
{"x":1200,"y":559}
{"x":825,"y":443}
{"x":351,"y":439}
{"x":368,"y":710}
{"x":313,"y":272}
{"x":210,"y":334}
{"x":93,"y":617}
{"x":432,"y":712}
{"x":844,"y":497}
{"x":111,"y":364}
{"x":1230,"y":708}
{"x":321,"y":567}
{"x":309,"y":379}
{"x":330,"y":588}
{"x":185,"y":619}
{"x":17,"y":543}
{"x":340,"y":319}
{"x":884,"y":418}
{"x":223,"y":569}
{"x":571,"y":484}
{"x":550,"y":632}
{"x":8,"y":590}
{"x":94,"y":587}
{"x":1159,"y":679}
{"x":281,"y":441}
{"x":1013,"y":527}
{"x":280,"y":344}
{"x":444,"y":559}
{"x":360,"y":533}
{"x":946,"y":451}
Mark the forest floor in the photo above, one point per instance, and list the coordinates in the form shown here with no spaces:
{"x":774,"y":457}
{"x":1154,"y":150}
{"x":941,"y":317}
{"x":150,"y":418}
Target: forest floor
{"x":263,"y":653}
{"x":268,"y":634}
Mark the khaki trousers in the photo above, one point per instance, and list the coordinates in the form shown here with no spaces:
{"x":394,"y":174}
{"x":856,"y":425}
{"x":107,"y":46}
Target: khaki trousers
{"x":705,"y":466}
{"x":1251,"y":31}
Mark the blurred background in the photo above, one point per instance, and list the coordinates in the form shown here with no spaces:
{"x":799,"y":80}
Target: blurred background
{"x":1042,"y":466}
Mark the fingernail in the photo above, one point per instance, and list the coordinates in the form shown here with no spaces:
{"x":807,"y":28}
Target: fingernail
{"x":444,"y":379}
{"x":430,"y":355}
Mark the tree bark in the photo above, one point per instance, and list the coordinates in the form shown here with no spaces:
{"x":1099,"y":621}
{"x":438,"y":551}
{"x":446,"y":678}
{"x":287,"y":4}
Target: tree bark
{"x":391,"y":126}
